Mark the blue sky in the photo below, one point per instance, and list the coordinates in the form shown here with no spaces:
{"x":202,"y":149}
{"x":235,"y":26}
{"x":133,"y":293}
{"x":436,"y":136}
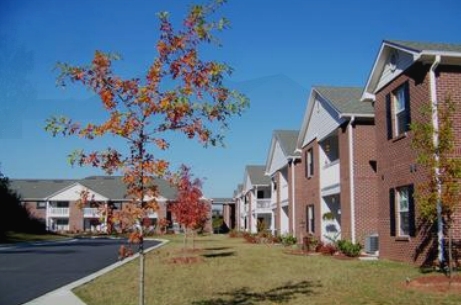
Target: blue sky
{"x":278,"y":48}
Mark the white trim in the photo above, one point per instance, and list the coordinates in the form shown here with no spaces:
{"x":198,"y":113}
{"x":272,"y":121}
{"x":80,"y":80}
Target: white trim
{"x":351,"y":177}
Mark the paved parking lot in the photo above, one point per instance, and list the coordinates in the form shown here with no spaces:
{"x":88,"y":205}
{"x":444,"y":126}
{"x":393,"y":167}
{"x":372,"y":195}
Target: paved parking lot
{"x":28,"y":271}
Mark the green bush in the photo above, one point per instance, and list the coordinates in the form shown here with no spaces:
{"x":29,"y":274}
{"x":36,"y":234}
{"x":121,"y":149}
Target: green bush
{"x":289,"y":240}
{"x":349,"y":248}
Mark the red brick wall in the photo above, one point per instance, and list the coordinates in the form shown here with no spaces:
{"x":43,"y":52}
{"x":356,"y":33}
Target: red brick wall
{"x":308,"y":192}
{"x":345,"y":181}
{"x":395,"y":156}
{"x":75,"y":218}
{"x":31,"y":206}
{"x":365,"y":182}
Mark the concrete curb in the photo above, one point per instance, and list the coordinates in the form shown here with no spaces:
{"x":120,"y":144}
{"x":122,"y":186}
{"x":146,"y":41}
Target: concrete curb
{"x":64,"y":295}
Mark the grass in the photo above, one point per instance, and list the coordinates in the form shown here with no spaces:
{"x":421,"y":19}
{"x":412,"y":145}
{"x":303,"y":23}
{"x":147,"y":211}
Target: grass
{"x":232,"y":272}
{"x":18,"y":237}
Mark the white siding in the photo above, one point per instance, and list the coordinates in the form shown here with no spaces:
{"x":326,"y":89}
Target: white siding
{"x":404,"y":60}
{"x":247,"y":185}
{"x":278,"y":159}
{"x":73,"y":194}
{"x":323,"y":120}
{"x":284,"y":221}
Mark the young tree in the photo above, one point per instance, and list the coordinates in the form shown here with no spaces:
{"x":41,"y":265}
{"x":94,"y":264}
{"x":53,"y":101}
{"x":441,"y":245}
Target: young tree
{"x":190,"y":209}
{"x":180,"y":92}
{"x":438,"y":196}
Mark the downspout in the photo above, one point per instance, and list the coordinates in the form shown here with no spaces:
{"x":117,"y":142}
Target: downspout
{"x":435,"y":141}
{"x":351,"y":176}
{"x":293,"y":177}
{"x":255,"y":200}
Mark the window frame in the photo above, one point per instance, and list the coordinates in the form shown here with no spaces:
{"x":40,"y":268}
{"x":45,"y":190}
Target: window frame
{"x":310,"y":219}
{"x":398,"y":114}
{"x":403,"y":207}
{"x":395,"y":212}
{"x":309,"y":162}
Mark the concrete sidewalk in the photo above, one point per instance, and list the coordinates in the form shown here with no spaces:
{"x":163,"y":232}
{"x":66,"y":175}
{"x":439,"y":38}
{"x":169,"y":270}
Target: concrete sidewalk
{"x":65,"y":296}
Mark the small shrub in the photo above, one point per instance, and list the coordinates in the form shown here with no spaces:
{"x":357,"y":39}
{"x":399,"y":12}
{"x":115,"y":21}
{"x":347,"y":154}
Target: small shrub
{"x":310,"y":243}
{"x":234,"y":233}
{"x":289,"y":240}
{"x":349,"y":248}
{"x":326,"y":249}
{"x":250,"y":238}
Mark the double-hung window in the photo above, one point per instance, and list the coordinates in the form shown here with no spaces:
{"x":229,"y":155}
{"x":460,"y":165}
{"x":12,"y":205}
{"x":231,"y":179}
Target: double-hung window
{"x":309,"y":163}
{"x":402,"y":211}
{"x":310,"y":219}
{"x":403,"y":205}
{"x":398,"y":111}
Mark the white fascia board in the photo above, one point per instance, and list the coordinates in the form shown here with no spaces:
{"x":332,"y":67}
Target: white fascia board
{"x":305,"y":123}
{"x":270,"y":156}
{"x":372,"y":78}
{"x":378,"y":66}
{"x":80,"y":187}
{"x":357,"y":115}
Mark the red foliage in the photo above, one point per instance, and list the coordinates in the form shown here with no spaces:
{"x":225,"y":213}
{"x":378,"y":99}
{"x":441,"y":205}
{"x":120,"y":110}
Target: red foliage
{"x":189,"y":209}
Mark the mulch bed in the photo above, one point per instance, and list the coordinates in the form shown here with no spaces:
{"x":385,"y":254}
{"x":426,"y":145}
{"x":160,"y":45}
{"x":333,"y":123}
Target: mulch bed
{"x":435,"y":283}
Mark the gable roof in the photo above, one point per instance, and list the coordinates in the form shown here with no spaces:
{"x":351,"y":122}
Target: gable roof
{"x":417,"y":51}
{"x":257,"y":176}
{"x":111,"y":187}
{"x":346,"y":100}
{"x":344,"y":103}
{"x":427,"y":47}
{"x":38,"y":189}
{"x":286,"y":140}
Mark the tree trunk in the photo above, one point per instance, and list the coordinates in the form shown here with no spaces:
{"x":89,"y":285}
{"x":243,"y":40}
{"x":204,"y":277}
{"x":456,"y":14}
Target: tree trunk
{"x":141,"y":272}
{"x":450,"y":250}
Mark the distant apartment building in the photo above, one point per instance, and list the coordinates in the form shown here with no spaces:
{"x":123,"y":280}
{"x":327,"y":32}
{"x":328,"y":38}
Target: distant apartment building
{"x":280,"y":167}
{"x":55,"y":201}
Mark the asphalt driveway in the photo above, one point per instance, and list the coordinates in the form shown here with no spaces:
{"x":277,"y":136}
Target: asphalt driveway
{"x":28,"y":271}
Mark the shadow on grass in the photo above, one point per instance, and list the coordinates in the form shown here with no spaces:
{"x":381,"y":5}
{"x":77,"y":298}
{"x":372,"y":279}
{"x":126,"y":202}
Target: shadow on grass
{"x":220,"y":254}
{"x":216,"y":248}
{"x":278,"y":295}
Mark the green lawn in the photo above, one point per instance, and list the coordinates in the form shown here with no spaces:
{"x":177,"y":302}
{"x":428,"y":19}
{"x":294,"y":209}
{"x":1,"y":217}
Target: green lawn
{"x":232,"y":272}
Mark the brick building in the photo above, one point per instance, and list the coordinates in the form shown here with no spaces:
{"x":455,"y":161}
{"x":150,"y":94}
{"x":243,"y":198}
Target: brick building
{"x":335,"y":188}
{"x":55,"y":201}
{"x":280,"y":167}
{"x":406,"y":76}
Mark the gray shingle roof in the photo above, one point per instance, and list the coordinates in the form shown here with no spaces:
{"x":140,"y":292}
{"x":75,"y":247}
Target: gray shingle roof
{"x":256,"y":174}
{"x":34,"y":189}
{"x":426,"y":46}
{"x":346,"y":99}
{"x":222,"y":200}
{"x":287,"y":140}
{"x":111,"y":187}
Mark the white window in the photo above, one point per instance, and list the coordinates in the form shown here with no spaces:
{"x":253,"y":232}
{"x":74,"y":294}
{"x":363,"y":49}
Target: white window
{"x":310,"y":219}
{"x":401,"y":122}
{"x":309,"y":163}
{"x":62,"y":224}
{"x":403,"y":206}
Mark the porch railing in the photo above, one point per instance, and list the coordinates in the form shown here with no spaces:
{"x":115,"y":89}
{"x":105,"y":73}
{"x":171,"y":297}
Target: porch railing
{"x":56,"y":212}
{"x":91,"y":212}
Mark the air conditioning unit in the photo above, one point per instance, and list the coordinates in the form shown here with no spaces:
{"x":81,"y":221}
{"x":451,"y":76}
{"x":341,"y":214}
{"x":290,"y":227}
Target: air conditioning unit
{"x":371,"y":244}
